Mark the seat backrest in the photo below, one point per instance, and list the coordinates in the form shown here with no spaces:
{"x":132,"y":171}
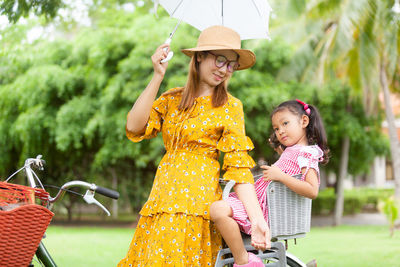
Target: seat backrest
{"x":289,"y":214}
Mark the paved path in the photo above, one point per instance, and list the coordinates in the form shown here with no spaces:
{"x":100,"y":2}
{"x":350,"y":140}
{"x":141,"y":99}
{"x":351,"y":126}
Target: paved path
{"x":317,"y":221}
{"x":357,"y":219}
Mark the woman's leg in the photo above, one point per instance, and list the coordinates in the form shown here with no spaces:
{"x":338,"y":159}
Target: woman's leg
{"x":221,"y":214}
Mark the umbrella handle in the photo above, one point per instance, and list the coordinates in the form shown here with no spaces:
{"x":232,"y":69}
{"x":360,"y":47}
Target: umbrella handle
{"x":170,"y":53}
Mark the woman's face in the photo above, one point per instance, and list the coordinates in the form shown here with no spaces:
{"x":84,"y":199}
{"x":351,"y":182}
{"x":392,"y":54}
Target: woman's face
{"x":209,"y":73}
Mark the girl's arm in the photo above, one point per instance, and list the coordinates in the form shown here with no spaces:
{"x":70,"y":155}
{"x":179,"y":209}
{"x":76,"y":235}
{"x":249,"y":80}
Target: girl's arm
{"x":140,"y":112}
{"x":307,"y":188}
{"x":260,"y":230}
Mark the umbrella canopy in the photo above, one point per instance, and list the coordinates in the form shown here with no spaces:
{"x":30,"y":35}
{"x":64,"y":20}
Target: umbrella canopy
{"x":250,"y":18}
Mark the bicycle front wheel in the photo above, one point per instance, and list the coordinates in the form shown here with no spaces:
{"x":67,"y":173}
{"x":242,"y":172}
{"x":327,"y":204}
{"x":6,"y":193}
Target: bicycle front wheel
{"x":290,"y":261}
{"x":293,"y":261}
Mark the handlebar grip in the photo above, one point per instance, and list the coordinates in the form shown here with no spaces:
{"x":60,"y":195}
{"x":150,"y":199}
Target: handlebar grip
{"x":107,"y":192}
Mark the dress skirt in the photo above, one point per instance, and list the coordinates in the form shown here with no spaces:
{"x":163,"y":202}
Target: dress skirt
{"x":178,"y":239}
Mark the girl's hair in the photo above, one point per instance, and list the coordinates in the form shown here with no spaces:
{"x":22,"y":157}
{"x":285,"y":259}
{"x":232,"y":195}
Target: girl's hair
{"x":219,"y":97}
{"x":315,"y":130}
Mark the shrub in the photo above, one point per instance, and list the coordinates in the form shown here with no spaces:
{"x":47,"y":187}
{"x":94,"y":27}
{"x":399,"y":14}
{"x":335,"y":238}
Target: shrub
{"x":355,"y":200}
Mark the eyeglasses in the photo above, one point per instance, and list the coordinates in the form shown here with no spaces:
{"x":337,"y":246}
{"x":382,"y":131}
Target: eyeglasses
{"x":221,"y":61}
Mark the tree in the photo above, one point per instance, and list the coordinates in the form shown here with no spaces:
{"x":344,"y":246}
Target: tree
{"x":356,"y":42}
{"x":15,"y":9}
{"x":260,"y":92}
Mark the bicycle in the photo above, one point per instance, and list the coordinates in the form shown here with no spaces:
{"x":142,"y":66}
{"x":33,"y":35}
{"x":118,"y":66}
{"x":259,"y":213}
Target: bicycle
{"x":25,"y":215}
{"x":289,"y":217}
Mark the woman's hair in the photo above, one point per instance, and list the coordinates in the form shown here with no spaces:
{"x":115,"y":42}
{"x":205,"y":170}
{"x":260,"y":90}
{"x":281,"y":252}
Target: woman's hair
{"x":219,"y":97}
{"x":315,"y":130}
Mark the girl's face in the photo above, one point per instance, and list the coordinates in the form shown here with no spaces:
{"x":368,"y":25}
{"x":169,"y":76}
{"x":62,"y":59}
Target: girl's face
{"x":209,"y":73}
{"x":289,"y":128}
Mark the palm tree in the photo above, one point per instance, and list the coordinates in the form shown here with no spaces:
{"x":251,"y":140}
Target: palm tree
{"x":358,"y":43}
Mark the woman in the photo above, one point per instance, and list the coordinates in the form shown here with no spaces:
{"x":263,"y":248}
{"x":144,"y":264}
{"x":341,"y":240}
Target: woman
{"x":197,"y":122}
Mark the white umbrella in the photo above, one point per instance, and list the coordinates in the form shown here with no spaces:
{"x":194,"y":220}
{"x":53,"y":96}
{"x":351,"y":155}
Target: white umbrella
{"x":249,"y":18}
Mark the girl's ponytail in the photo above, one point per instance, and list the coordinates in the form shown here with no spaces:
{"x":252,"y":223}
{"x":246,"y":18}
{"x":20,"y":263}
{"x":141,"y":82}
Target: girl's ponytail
{"x":316,"y":132}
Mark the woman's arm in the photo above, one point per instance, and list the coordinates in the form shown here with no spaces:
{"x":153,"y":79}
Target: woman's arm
{"x":140,"y":112}
{"x":237,"y":163}
{"x":307,"y":188}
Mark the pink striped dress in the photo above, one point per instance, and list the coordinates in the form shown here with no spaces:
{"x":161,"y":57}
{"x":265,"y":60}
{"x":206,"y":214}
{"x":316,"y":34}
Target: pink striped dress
{"x":292,"y":160}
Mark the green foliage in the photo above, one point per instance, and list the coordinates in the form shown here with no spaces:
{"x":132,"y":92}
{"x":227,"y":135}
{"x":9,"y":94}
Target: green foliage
{"x":390,"y":207}
{"x":324,"y":203}
{"x":344,"y":115}
{"x":71,"y":122}
{"x":14,"y":9}
{"x":355,"y":200}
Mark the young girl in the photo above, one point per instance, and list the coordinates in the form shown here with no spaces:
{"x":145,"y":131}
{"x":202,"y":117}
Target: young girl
{"x":299,"y":133}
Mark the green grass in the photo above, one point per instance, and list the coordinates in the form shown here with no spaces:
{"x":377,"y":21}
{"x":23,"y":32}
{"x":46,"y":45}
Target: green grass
{"x":87,"y":246}
{"x":349,"y":246}
{"x":332,"y":246}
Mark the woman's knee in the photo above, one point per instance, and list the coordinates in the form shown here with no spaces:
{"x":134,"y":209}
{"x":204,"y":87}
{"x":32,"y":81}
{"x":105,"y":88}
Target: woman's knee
{"x":220,"y":209}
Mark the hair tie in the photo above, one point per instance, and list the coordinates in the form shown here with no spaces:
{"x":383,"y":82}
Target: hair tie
{"x":306,"y":108}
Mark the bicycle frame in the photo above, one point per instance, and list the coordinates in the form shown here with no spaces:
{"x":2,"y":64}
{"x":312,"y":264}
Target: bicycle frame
{"x":44,"y":256}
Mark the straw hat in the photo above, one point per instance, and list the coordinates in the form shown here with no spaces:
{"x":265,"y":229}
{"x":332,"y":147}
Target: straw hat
{"x":223,"y":38}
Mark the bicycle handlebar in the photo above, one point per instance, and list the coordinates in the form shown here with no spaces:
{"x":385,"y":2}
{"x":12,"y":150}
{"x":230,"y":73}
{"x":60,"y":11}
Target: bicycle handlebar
{"x":101,"y":190}
{"x":107,"y":192}
{"x":90,"y":188}
{"x":89,"y":195}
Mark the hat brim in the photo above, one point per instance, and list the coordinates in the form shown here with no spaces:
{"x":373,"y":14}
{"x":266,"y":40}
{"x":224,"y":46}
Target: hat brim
{"x":246,"y":57}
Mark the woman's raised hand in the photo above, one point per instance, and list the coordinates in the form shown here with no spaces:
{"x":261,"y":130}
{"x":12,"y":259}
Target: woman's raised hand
{"x":160,"y":54}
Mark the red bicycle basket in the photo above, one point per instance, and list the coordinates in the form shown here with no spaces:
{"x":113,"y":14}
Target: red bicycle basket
{"x":23,"y":226}
{"x":20,"y":194}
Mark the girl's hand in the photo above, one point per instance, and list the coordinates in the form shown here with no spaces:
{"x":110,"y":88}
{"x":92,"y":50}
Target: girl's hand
{"x":271,"y":173}
{"x":160,"y":54}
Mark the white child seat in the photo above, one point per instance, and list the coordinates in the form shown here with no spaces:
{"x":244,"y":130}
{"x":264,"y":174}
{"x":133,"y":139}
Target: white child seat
{"x":289,"y":217}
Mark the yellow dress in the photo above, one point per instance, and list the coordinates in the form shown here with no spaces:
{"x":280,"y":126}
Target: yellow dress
{"x":175,"y":227}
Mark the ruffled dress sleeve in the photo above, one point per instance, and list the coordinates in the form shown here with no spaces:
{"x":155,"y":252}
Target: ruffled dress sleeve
{"x":309,"y":157}
{"x":235,"y":144}
{"x":154,"y":123}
